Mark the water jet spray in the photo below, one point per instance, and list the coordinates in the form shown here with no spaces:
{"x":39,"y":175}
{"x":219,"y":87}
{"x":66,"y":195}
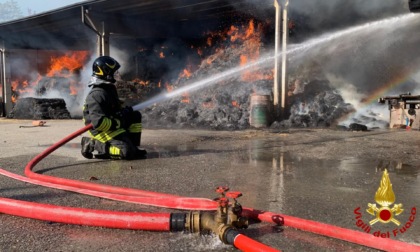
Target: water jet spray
{"x":268,"y":59}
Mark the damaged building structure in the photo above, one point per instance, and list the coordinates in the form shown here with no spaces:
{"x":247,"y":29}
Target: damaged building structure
{"x":37,"y":51}
{"x":165,"y":46}
{"x":46,"y":53}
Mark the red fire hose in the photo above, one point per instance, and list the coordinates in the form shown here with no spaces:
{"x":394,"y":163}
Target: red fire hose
{"x":344,"y":234}
{"x":111,"y":219}
{"x":302,"y":224}
{"x":182,"y":203}
{"x":81,"y":184}
{"x":88,"y":217}
{"x":97,"y":217}
{"x":112,"y":192}
{"x":245,"y":243}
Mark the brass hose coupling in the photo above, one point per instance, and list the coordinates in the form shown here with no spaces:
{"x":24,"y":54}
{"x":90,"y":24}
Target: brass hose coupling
{"x":226,"y":217}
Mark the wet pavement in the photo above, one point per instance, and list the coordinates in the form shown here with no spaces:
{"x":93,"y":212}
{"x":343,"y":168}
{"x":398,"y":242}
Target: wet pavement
{"x":317,"y":174}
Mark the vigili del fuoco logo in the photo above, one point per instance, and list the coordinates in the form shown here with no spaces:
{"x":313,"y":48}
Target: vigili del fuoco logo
{"x":385,"y":211}
{"x":385,"y":197}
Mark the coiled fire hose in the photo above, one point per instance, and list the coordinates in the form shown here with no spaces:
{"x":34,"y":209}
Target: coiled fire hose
{"x":172,"y":201}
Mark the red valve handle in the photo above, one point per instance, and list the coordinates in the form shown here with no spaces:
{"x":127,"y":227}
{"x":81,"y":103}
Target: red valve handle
{"x":223,"y":202}
{"x":222,"y":189}
{"x":233,"y":195}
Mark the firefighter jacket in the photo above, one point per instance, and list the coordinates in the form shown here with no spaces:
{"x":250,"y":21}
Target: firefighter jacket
{"x":101,"y":109}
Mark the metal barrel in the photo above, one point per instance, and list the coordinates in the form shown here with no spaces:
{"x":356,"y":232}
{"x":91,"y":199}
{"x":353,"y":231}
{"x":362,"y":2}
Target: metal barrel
{"x":260,"y":111}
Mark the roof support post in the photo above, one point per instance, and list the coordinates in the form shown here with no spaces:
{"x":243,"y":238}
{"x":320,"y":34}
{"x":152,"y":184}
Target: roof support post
{"x":104,"y":40}
{"x":102,"y":32}
{"x":6,"y":104}
{"x":281,"y":31}
{"x":277,"y":42}
{"x":284,"y":60}
{"x":2,"y":86}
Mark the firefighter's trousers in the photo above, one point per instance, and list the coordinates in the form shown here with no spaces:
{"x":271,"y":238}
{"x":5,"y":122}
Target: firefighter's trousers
{"x":124,"y":145}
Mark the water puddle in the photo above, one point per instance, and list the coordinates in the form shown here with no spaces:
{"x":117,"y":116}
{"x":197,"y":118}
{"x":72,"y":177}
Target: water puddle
{"x":67,"y":145}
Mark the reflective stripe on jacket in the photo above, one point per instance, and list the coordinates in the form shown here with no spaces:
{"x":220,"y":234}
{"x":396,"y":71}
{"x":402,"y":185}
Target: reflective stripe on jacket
{"x":100,"y":109}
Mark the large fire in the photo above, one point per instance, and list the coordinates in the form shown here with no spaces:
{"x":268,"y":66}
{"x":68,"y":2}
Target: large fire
{"x":242,"y":42}
{"x":245,"y":37}
{"x":66,"y":66}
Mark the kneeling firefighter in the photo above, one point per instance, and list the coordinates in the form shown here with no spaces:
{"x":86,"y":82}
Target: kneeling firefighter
{"x":116,"y":131}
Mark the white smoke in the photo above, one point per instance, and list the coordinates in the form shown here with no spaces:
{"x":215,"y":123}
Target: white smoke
{"x":372,"y":115}
{"x":323,"y":15}
{"x":75,"y":105}
{"x":122,"y":56}
{"x":379,"y":55}
{"x":347,"y":90}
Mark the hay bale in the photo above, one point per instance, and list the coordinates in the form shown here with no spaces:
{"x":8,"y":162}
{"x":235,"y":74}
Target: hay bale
{"x":40,"y":108}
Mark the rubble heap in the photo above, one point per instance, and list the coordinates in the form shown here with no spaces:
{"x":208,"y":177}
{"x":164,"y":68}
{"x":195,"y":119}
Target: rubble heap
{"x":40,"y":108}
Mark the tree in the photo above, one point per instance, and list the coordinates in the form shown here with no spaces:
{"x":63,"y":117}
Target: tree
{"x":10,"y":10}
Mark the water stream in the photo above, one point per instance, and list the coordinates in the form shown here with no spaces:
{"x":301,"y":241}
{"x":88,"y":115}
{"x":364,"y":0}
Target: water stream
{"x":388,"y":23}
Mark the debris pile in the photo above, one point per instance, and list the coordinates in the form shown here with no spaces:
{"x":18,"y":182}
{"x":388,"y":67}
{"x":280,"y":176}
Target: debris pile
{"x":226,"y":105}
{"x":40,"y":108}
{"x":317,"y":106}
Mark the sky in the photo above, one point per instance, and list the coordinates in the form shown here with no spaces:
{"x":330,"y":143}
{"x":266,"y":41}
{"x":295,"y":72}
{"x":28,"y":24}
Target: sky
{"x":39,"y":6}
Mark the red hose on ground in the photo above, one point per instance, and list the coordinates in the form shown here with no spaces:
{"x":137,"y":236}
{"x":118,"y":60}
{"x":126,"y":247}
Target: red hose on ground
{"x":182,"y":203}
{"x":104,"y":218}
{"x":113,"y":192}
{"x":81,"y":184}
{"x":302,"y":224}
{"x":247,"y":244}
{"x":344,"y":234}
{"x":88,"y":217}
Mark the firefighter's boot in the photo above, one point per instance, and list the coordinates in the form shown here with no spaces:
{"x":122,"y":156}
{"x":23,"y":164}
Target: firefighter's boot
{"x":88,"y":146}
{"x":141,"y":154}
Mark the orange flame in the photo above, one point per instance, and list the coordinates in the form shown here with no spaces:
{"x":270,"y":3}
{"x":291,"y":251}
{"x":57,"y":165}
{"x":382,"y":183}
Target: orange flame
{"x":243,"y":59}
{"x":247,"y":38}
{"x":66,"y":65}
{"x":60,"y":66}
{"x":235,"y":33}
{"x":169,"y":87}
{"x":208,"y":105}
{"x":209,"y":41}
{"x":186,"y":73}
{"x":251,"y":42}
{"x":141,"y":82}
{"x":73,"y":90}
{"x":185,"y":98}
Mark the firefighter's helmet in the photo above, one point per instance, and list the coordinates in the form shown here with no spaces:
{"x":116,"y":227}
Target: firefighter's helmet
{"x":105,"y":67}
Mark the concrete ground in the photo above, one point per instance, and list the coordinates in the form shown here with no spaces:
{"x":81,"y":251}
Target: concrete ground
{"x":317,"y":174}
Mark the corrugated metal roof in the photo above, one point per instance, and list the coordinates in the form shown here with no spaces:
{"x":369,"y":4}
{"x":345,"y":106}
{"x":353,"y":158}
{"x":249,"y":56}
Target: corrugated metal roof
{"x":63,"y":28}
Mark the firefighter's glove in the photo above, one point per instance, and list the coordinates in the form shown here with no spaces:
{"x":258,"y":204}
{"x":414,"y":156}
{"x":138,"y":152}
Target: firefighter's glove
{"x":127,"y":110}
{"x":125,"y":116}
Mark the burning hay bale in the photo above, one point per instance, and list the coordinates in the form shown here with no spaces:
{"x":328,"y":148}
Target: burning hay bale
{"x":38,"y":109}
{"x":224,"y":103}
{"x":136,"y":91}
{"x":59,"y":75}
{"x":225,"y":107}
